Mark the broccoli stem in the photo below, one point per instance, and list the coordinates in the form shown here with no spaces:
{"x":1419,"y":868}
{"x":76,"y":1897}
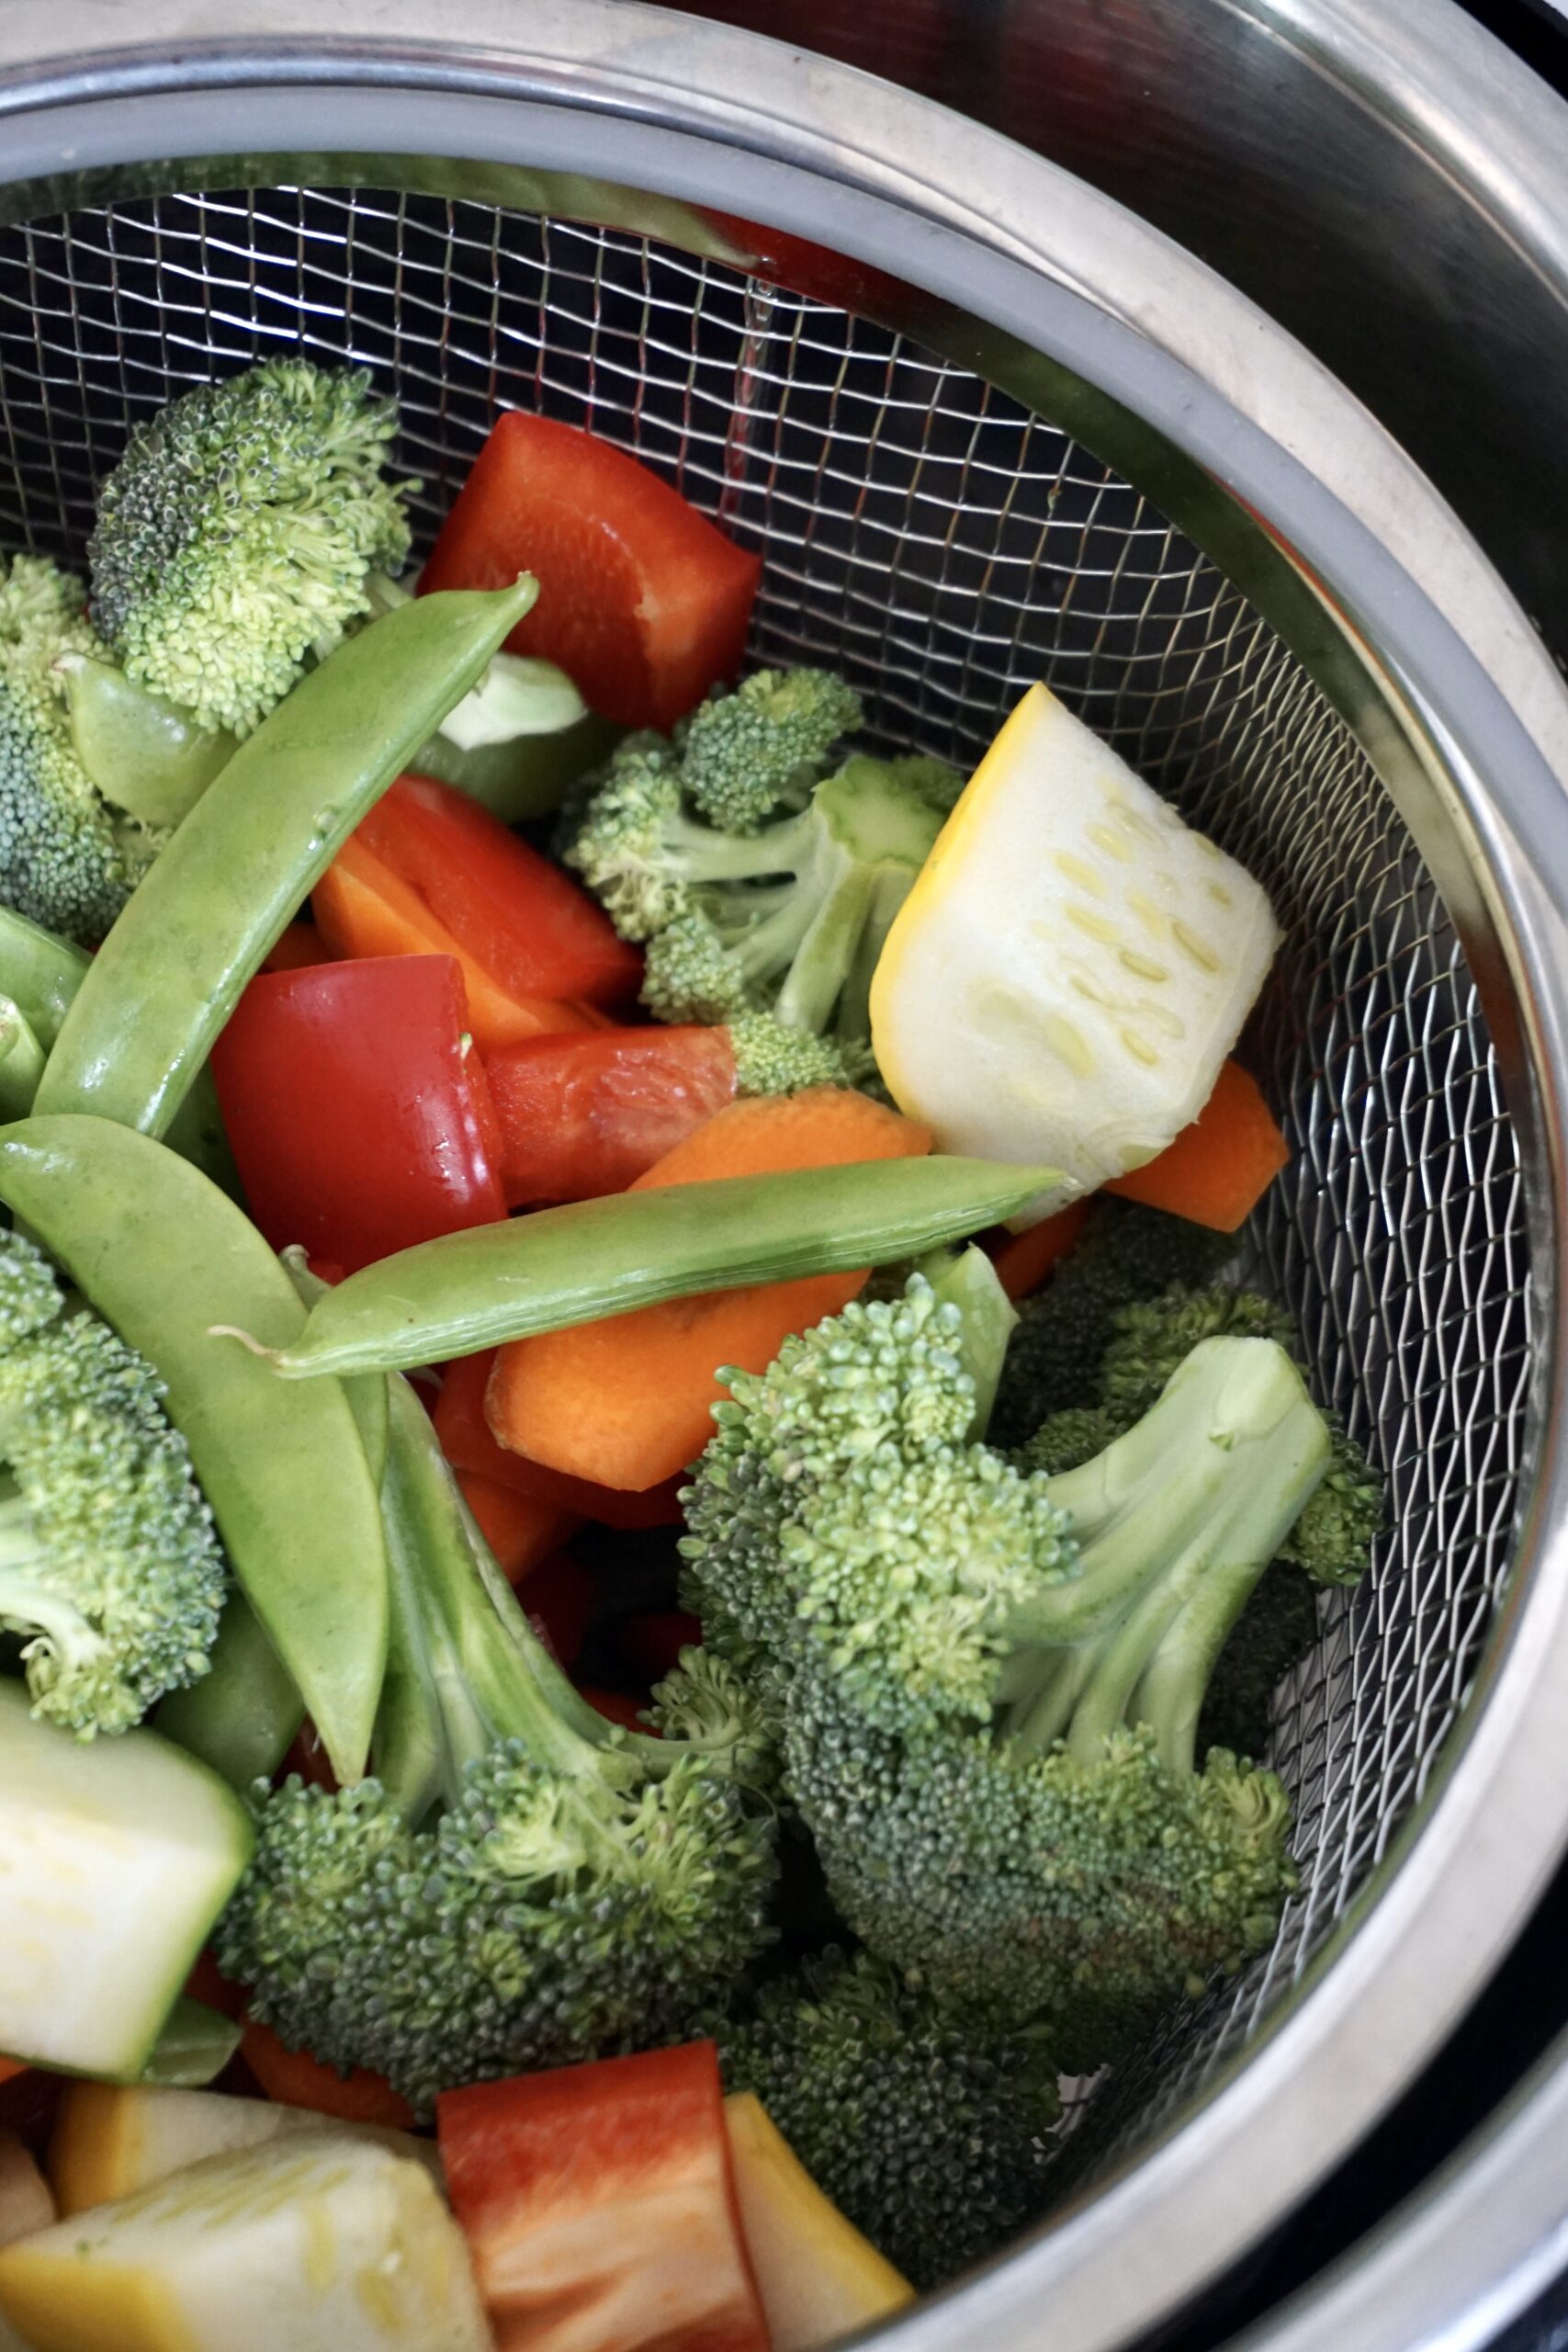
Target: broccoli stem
{"x":969,"y":1282}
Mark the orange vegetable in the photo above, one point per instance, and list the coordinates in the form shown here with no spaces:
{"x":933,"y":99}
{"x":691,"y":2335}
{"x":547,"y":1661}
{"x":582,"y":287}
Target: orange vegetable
{"x":9,"y":2066}
{"x":364,"y":909}
{"x":296,"y":2079}
{"x":627,"y":1402}
{"x":520,"y":1530}
{"x":299,"y":947}
{"x":1218,"y":1168}
{"x":466,"y":1440}
{"x":1025,"y":1259}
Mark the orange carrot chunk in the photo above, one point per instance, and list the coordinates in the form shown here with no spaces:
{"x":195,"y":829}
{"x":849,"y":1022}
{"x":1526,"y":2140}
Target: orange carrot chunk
{"x":520,"y":1531}
{"x":629,"y":1402}
{"x":1025,"y":1259}
{"x":1217,"y":1170}
{"x":296,"y":2079}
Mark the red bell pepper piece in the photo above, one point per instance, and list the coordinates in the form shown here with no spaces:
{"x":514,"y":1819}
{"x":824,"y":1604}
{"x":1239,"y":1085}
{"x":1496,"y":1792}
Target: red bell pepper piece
{"x":617,"y":1707}
{"x":520,"y":1531}
{"x":580,"y":1115}
{"x":599,"y":2205}
{"x":295,"y":947}
{"x":641,"y":600}
{"x":469,"y":1444}
{"x":652,"y":1644}
{"x":359,"y":1123}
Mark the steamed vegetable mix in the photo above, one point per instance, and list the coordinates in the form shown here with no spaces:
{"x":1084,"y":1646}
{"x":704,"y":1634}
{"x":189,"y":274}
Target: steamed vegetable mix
{"x":765,"y":1549}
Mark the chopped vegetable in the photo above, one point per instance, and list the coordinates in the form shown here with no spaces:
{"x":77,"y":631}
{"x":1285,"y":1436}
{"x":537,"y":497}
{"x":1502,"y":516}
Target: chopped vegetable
{"x":520,"y":1531}
{"x":144,"y":757}
{"x":1073,"y":964}
{"x":115,"y":1858}
{"x":163,"y":1255}
{"x":521,"y":1884}
{"x":628,"y":1401}
{"x":237,"y":536}
{"x":165,"y":981}
{"x":646,"y":603}
{"x":194,"y":2046}
{"x":111,"y":2140}
{"x":297,"y":947}
{"x":1217,"y":1170}
{"x":359,"y":1123}
{"x":110,"y":1571}
{"x":597,"y":1259}
{"x":1025,"y":1259}
{"x":297,"y":2079}
{"x":25,"y":2204}
{"x":587,"y":1114}
{"x":817,"y":2278}
{"x":320,"y":2241}
{"x":986,"y":1683}
{"x":598,"y":2204}
{"x":469,"y":1445}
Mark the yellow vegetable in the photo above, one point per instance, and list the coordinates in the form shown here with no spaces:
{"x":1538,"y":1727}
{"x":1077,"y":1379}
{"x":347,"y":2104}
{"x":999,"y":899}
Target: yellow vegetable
{"x":315,"y":2241}
{"x":1072,"y":965}
{"x":817,"y":2278}
{"x":111,"y":2140}
{"x":25,"y":2205}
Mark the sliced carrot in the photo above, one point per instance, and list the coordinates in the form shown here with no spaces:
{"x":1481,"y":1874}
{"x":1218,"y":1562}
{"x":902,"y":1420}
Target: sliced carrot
{"x":629,"y":1402}
{"x":469,"y":1445}
{"x":296,"y":2079}
{"x":520,"y":1530}
{"x":297,"y":949}
{"x":362,"y":907}
{"x":9,"y":2066}
{"x":1218,"y":1168}
{"x":1025,"y":1259}
{"x":205,"y":1984}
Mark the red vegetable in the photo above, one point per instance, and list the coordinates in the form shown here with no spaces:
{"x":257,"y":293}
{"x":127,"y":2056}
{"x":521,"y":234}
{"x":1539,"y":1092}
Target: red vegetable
{"x":296,"y":2079}
{"x":359,"y":1123}
{"x":640,"y":598}
{"x":469,"y":1445}
{"x":520,"y":1531}
{"x":653,"y":1643}
{"x":562,"y":1600}
{"x":11,"y":2066}
{"x":617,"y":1707}
{"x":585,"y":1114}
{"x":598,"y":2204}
{"x":297,"y":945}
{"x":1025,"y":1259}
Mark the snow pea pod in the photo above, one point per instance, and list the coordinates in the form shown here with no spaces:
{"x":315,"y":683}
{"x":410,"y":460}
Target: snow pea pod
{"x":605,"y":1256}
{"x":162,"y":1254}
{"x":241,"y":1718}
{"x":261,"y":836}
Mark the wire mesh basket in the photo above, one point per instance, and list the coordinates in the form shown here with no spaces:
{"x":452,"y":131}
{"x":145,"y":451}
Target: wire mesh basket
{"x":944,"y":544}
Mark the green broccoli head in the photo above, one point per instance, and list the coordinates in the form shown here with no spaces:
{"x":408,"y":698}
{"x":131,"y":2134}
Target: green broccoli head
{"x":237,"y":533}
{"x":931,"y":2129}
{"x":64,"y":860}
{"x":746,"y":754}
{"x":987,"y":1682}
{"x":110,"y":1569}
{"x":523,"y":1884}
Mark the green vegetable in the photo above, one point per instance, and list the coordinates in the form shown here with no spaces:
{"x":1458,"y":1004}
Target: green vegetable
{"x":21,"y":1061}
{"x":1273,"y":1633}
{"x":193,"y":2049}
{"x":109,"y":1567}
{"x":986,"y":1683}
{"x":169,"y":974}
{"x":115,"y":1858}
{"x":591,"y":1258}
{"x":236,"y":538}
{"x":163,"y":1255}
{"x":65,"y":858}
{"x":931,"y":2130}
{"x":244,"y":1716}
{"x":142,"y":754}
{"x":750,"y":915}
{"x":523,"y":1884}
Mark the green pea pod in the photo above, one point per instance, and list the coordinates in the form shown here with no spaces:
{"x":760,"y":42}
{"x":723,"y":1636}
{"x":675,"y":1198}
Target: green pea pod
{"x":195,"y":2046}
{"x":144,"y":757}
{"x":366,"y":1392}
{"x":21,"y":1060}
{"x":606,"y":1257}
{"x":163,"y":1255}
{"x":242,"y":1716}
{"x":262,"y":835}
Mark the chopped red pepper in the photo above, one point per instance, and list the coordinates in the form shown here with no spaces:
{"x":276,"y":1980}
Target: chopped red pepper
{"x":617,"y":1707}
{"x":520,"y":1531}
{"x":469,"y":1444}
{"x":358,"y":1123}
{"x":297,"y":945}
{"x":598,"y":2204}
{"x":641,"y":600}
{"x":580,"y":1115}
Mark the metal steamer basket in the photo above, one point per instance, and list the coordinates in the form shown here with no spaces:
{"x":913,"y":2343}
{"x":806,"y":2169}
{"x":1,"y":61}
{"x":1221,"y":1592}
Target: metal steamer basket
{"x":1006,"y":432}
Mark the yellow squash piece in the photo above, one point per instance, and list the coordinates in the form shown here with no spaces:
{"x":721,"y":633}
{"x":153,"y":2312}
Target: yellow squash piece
{"x":817,"y":2278}
{"x":1072,"y":965}
{"x":111,"y":2140}
{"x":315,"y":2241}
{"x":25,"y":2205}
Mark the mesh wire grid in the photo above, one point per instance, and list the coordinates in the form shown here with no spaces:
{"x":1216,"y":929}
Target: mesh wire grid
{"x":943,"y":547}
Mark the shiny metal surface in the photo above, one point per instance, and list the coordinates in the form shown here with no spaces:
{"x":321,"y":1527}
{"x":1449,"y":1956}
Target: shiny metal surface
{"x":1365,"y":715}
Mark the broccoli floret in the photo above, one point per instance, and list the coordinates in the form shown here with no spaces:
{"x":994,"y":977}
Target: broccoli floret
{"x":1127,"y":1253}
{"x":746,"y":754}
{"x":237,"y":535}
{"x":988,"y":1682}
{"x":771,"y":1059}
{"x":1333,"y":1536}
{"x":523,"y":1884}
{"x":780,"y":919}
{"x":1069,"y":1437}
{"x":110,"y":1569}
{"x":930,"y":2130}
{"x":65,"y":860}
{"x":1273,"y":1633}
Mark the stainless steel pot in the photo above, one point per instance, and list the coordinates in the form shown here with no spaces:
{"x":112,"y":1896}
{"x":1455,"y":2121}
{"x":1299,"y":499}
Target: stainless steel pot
{"x":1052,"y":443}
